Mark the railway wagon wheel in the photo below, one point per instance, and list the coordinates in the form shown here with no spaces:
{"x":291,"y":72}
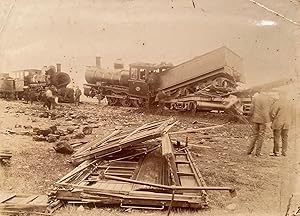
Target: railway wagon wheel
{"x":112,"y":101}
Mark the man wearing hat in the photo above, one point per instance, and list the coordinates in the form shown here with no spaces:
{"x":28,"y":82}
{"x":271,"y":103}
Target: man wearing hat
{"x":281,"y":119}
{"x":260,"y":116}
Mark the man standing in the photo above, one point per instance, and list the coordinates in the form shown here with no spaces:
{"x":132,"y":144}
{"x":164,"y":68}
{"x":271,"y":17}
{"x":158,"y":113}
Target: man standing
{"x":160,"y":99}
{"x":77,"y":96}
{"x":260,"y":116}
{"x":281,"y":118}
{"x":48,"y":98}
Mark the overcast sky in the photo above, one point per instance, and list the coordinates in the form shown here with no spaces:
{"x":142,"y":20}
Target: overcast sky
{"x":38,"y":33}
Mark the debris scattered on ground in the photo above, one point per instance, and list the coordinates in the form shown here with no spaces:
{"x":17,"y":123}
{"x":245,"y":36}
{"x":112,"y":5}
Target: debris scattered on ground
{"x":138,"y":168}
{"x":78,"y":135}
{"x":11,"y":203}
{"x":87,"y":130}
{"x":63,"y":147}
{"x":5,"y":155}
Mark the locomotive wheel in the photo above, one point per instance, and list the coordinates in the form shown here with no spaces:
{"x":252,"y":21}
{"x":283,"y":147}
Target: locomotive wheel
{"x":193,"y":107}
{"x":112,"y":101}
{"x":137,"y":103}
{"x":185,"y":91}
{"x":125,"y":102}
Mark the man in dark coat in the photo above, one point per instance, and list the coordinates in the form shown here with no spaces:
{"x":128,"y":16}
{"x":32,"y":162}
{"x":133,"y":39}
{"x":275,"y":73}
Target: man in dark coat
{"x":260,"y":116}
{"x":160,"y":100}
{"x":281,"y":118}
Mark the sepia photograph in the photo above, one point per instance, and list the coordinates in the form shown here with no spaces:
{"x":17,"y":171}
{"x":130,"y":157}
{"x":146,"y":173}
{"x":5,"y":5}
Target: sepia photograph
{"x":141,"y":108}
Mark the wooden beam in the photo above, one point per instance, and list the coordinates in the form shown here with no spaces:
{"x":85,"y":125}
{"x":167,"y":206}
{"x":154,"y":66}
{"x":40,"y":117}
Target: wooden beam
{"x":198,"y":129}
{"x":168,"y":154}
{"x":177,"y":188}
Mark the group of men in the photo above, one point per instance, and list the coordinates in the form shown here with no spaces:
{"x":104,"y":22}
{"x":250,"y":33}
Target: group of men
{"x":264,"y":111}
{"x":50,"y":97}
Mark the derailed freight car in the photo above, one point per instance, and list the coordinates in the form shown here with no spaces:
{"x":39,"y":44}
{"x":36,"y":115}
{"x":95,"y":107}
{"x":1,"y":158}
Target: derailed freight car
{"x":198,"y":83}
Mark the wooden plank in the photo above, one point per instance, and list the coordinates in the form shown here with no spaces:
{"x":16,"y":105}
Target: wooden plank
{"x":182,"y":162}
{"x":168,"y":154}
{"x":185,"y":174}
{"x":6,"y":196}
{"x":117,"y":167}
{"x":79,"y":168}
{"x":170,"y":126}
{"x":184,"y":168}
{"x":177,"y":188}
{"x":198,"y":176}
{"x":28,"y":199}
{"x":127,"y":187}
{"x":119,"y":171}
{"x":96,"y":142}
{"x":134,"y":132}
{"x":121,"y":174}
{"x":123,"y":163}
{"x":118,"y":187}
{"x":198,"y":129}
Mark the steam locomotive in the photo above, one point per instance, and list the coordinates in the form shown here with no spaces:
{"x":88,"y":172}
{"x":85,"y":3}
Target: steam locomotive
{"x":206,"y":80}
{"x":31,"y":83}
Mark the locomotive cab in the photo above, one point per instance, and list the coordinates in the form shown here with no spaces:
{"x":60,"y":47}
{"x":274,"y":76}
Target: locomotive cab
{"x":144,"y":78}
{"x":139,"y":79}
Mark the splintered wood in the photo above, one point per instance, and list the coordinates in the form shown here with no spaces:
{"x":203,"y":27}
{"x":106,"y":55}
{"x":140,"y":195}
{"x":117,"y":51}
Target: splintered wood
{"x":11,"y":203}
{"x":125,"y":144}
{"x":140,"y":168}
{"x":5,"y":154}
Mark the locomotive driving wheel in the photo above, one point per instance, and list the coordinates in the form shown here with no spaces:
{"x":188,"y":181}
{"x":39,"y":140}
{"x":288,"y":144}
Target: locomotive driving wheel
{"x":112,"y":101}
{"x":126,"y":102}
{"x":138,"y":103}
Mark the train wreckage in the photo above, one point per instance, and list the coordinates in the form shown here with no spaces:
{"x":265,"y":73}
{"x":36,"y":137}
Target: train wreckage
{"x":204,"y":82}
{"x":30,"y":84}
{"x":141,"y":167}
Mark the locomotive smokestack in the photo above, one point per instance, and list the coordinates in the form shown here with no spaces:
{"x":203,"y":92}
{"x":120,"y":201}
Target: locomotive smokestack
{"x":98,"y":61}
{"x":58,"y":67}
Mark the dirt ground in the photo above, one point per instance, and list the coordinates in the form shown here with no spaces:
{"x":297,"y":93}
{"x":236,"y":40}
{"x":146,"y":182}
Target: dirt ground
{"x":263,"y":184}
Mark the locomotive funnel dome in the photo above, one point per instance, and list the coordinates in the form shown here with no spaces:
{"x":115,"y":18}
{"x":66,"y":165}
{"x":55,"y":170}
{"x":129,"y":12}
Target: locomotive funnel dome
{"x":118,"y":65}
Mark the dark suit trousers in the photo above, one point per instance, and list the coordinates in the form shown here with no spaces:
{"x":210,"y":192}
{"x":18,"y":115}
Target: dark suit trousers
{"x":283,"y":133}
{"x":258,"y":138}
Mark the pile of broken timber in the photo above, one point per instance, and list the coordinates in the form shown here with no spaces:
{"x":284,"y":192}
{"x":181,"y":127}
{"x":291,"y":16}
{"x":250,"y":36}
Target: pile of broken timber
{"x":123,"y":144}
{"x":140,"y":168}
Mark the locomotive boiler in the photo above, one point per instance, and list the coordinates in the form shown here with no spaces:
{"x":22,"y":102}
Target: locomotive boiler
{"x":133,"y":87}
{"x":205,"y":78}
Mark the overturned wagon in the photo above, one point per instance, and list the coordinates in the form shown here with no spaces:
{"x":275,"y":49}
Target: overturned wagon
{"x":207,"y":78}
